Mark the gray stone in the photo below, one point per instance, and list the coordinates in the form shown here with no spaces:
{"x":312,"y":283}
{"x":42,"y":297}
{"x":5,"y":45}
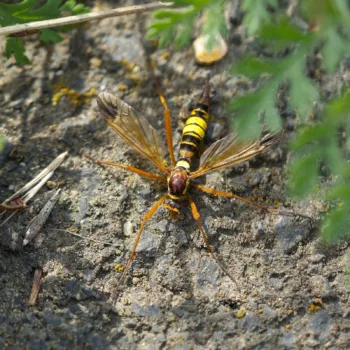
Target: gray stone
{"x":78,"y":291}
{"x":147,"y":311}
{"x":269,"y":313}
{"x":289,"y":232}
{"x":320,"y":286}
{"x":149,"y":244}
{"x":316,"y":258}
{"x":128,"y":47}
{"x":250,"y":323}
{"x":321,"y":325}
{"x":208,"y":272}
{"x":288,"y":340}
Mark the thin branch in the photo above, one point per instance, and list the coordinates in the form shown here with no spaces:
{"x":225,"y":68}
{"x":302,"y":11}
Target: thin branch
{"x":58,"y":22}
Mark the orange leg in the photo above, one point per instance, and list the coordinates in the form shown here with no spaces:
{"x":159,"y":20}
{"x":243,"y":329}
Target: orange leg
{"x":132,"y":169}
{"x":196,"y":216}
{"x":143,"y":222}
{"x":231,"y":195}
{"x":169,"y":136}
{"x":167,"y":115}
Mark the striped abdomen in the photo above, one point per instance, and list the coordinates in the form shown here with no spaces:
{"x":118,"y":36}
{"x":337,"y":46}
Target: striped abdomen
{"x":194,"y":130}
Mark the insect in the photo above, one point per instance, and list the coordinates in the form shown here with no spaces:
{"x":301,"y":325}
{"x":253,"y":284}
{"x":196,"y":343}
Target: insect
{"x":136,"y":131}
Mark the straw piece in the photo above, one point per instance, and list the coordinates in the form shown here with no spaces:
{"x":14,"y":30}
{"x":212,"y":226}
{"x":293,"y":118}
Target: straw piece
{"x":39,"y":221}
{"x":87,"y":238}
{"x":50,"y":168}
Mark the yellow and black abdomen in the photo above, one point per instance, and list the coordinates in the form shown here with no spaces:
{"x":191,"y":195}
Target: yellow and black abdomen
{"x":194,"y":130}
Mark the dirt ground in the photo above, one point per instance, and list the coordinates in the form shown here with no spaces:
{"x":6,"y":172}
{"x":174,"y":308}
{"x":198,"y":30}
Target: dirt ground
{"x":292,"y":289}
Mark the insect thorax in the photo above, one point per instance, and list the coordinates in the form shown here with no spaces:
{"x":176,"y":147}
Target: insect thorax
{"x":178,"y":183}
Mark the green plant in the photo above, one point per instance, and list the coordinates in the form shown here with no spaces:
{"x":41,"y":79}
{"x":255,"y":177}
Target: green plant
{"x":2,"y":142}
{"x":321,"y":143}
{"x":30,"y":11}
{"x":176,"y":25}
{"x":317,"y":142}
{"x":257,"y":14}
{"x":327,"y":31}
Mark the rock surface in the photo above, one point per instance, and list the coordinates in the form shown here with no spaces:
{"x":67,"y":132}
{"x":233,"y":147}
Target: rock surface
{"x":292,"y":290}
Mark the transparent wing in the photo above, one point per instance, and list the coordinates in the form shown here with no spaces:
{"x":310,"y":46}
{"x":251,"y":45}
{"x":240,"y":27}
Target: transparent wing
{"x":228,"y":151}
{"x":132,"y":127}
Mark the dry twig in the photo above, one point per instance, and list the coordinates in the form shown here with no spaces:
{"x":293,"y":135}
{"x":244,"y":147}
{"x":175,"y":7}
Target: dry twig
{"x":37,"y":280}
{"x":58,"y":22}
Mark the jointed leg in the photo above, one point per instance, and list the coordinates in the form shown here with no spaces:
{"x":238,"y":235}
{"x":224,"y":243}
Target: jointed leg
{"x":167,"y":116}
{"x":143,"y":222}
{"x":231,"y":195}
{"x":132,"y":169}
{"x":168,"y":131}
{"x":196,"y":216}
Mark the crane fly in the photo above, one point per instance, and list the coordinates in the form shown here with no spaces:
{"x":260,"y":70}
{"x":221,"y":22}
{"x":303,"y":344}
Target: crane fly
{"x":136,"y":131}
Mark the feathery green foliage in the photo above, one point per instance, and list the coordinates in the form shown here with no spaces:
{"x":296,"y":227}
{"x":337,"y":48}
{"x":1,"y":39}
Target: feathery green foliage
{"x":2,"y":142}
{"x":289,"y":69}
{"x":257,"y":14}
{"x":319,"y":143}
{"x":326,"y":29}
{"x":30,"y":11}
{"x":328,"y":142}
{"x":176,"y":25}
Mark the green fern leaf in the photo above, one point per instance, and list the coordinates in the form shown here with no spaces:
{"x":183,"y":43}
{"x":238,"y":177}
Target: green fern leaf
{"x":178,"y":24}
{"x":15,"y":46}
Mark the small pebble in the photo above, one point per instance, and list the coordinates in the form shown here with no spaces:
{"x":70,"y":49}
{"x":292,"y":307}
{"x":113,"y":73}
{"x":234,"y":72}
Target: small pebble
{"x":74,"y":194}
{"x":125,"y":301}
{"x":128,"y":228}
{"x":315,"y":258}
{"x":217,"y":52}
{"x":51,"y":184}
{"x":96,"y":62}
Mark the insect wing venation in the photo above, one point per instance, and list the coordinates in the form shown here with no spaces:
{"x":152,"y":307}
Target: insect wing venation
{"x":226,"y":152}
{"x":132,"y":127}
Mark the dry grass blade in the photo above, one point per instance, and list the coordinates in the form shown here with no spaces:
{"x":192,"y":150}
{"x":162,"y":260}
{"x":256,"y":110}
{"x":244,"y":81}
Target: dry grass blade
{"x":16,"y":203}
{"x":43,"y":175}
{"x":31,"y":193}
{"x":39,"y":221}
{"x":86,"y":238}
